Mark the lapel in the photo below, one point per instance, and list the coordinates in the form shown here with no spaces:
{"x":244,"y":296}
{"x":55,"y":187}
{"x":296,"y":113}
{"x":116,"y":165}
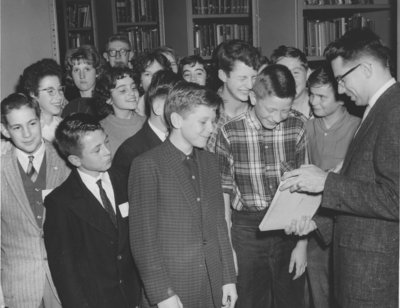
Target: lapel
{"x":150,"y":136}
{"x":87,"y":207}
{"x":52,"y":172}
{"x":13,"y":178}
{"x":119,"y":196}
{"x":175,"y":164}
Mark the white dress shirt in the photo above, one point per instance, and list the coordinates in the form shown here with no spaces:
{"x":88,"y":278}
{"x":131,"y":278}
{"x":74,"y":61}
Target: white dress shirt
{"x":23,"y":158}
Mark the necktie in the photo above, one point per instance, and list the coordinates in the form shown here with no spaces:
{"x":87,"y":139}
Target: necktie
{"x":107,"y":204}
{"x":30,"y":171}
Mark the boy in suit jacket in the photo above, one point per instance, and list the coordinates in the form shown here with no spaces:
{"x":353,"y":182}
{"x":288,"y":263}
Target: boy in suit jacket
{"x":29,"y":169}
{"x":86,"y":228}
{"x":178,"y":233}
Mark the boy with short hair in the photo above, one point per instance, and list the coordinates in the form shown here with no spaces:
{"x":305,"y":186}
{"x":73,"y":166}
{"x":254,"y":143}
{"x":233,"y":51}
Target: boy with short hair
{"x":238,"y":63}
{"x":29,"y":168}
{"x":86,"y":227}
{"x":178,"y":234}
{"x":118,"y":51}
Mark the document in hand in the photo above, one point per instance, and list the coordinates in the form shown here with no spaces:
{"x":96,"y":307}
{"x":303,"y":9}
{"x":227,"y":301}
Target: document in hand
{"x":287,"y":206}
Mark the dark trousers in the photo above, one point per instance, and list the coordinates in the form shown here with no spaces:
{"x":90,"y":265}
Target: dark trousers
{"x":263,"y":263}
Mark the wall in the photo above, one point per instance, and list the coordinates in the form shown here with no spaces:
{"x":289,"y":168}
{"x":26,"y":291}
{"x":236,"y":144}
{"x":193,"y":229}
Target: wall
{"x":27,"y":35}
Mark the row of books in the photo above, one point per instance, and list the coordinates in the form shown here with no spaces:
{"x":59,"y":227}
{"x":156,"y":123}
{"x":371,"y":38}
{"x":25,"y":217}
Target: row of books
{"x":337,"y":2}
{"x":77,"y":39}
{"x":320,"y":33}
{"x":208,"y":36}
{"x":143,"y":39}
{"x":204,"y":7}
{"x":136,"y":10}
{"x":79,"y":16}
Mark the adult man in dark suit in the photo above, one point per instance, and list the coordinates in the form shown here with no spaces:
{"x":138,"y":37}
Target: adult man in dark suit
{"x":178,"y":233}
{"x":86,"y":228}
{"x":366,"y":192}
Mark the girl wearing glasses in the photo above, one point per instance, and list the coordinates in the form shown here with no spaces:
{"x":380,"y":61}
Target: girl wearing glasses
{"x":42,"y":82}
{"x":118,"y":92}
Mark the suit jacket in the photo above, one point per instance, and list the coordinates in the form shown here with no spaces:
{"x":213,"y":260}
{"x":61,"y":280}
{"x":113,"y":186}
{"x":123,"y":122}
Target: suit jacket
{"x":89,"y":258}
{"x":172,"y":248}
{"x":144,"y":140}
{"x":24,"y":264}
{"x":366,"y":194}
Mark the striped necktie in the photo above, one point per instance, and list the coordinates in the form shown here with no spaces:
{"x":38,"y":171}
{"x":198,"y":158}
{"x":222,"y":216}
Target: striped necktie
{"x":107,"y":204}
{"x":31,"y":171}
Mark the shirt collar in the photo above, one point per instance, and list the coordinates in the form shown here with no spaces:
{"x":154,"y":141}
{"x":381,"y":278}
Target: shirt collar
{"x":162,"y":135}
{"x":89,"y":179}
{"x":23,"y":157}
{"x":380,"y":91}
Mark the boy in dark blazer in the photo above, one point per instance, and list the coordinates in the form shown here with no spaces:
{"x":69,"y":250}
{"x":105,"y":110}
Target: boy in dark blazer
{"x":86,"y":228}
{"x":178,"y":233}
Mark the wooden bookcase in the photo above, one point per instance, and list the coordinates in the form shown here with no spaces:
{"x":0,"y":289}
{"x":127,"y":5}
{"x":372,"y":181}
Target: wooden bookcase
{"x":208,"y":23}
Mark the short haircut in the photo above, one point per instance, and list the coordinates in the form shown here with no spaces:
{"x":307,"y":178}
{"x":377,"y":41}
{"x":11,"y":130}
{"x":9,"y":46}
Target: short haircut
{"x":71,"y":130}
{"x":324,"y":76}
{"x":191,"y":60}
{"x":86,"y":54}
{"x":161,"y":83}
{"x":275,"y":80}
{"x":228,"y":52}
{"x":186,"y":96}
{"x":107,"y":82}
{"x":357,"y":43}
{"x":289,"y":52}
{"x":148,"y":58}
{"x":16,"y":101}
{"x":166,"y":49}
{"x":121,"y":37}
{"x":34,"y":73}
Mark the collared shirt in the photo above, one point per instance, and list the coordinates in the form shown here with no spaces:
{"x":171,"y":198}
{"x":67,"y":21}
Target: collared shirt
{"x":222,"y":119}
{"x":252,"y":159}
{"x":23,"y":158}
{"x":91,"y":184}
{"x":160,"y":134}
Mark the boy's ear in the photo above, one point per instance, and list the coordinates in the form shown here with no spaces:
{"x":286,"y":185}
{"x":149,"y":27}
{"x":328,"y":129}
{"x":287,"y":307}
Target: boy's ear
{"x":252,"y":97}
{"x":309,"y":71}
{"x":4,"y":131}
{"x":176,"y":120}
{"x":74,"y":160}
{"x":222,"y":75}
{"x":158,"y":107}
{"x":105,"y":56}
{"x":109,"y":101}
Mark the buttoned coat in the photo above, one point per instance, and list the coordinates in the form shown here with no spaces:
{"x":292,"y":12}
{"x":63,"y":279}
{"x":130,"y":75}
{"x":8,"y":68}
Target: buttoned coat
{"x":366,"y":196}
{"x":178,"y":236}
{"x":24,"y":264}
{"x":89,"y":258}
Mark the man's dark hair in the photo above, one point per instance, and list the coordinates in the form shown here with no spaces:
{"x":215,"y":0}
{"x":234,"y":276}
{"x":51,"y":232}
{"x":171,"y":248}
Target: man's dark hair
{"x":148,"y":58}
{"x":122,"y":37}
{"x":16,"y":101}
{"x":289,"y":52}
{"x":324,"y":76}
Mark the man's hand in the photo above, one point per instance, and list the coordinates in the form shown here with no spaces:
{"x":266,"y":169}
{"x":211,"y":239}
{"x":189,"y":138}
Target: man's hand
{"x":302,"y":226}
{"x":308,"y":178}
{"x":171,"y":302}
{"x":298,"y":259}
{"x":229,"y":295}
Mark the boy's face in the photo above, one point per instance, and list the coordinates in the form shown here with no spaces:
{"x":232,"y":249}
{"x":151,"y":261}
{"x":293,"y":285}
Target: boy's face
{"x":323,"y":102}
{"x":272,"y":110}
{"x":197,"y":126}
{"x":84,"y":75}
{"x":50,"y":95}
{"x":147,"y":75}
{"x":118,"y":59}
{"x":194,"y":73}
{"x":239,"y":81}
{"x":23,"y":127}
{"x":298,"y":71}
{"x":95,"y":157}
{"x":125,"y":95}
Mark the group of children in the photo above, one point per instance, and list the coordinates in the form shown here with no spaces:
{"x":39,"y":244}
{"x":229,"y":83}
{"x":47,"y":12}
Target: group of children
{"x":153,"y":196}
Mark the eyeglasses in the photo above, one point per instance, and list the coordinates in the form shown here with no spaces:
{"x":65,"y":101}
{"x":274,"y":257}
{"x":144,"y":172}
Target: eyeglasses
{"x":53,"y":92}
{"x":340,"y":78}
{"x":122,"y":52}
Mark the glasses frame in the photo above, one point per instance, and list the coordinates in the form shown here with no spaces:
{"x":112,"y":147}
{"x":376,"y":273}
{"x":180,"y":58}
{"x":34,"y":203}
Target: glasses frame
{"x":52,"y":91}
{"x":121,"y":52}
{"x":340,"y":78}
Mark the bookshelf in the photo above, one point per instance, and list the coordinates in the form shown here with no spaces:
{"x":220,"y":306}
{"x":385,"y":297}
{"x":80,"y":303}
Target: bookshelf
{"x":208,"y":23}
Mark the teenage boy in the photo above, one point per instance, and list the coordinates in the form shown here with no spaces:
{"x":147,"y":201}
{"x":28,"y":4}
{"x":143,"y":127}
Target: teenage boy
{"x":238,"y":63}
{"x":86,"y":227}
{"x":296,"y":61}
{"x":178,"y":233}
{"x":29,"y":169}
{"x":329,"y":135}
{"x":154,"y":130}
{"x":118,"y":51}
{"x":254,"y":150}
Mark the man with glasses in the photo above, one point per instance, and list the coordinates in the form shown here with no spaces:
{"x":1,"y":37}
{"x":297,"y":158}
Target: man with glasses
{"x":365,"y":195}
{"x":118,"y":51}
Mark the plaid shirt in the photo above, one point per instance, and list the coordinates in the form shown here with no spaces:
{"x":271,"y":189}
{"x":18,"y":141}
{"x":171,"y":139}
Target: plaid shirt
{"x":252,"y":158}
{"x":222,"y":119}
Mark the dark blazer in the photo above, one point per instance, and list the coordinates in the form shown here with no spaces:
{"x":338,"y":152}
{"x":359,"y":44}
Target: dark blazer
{"x":173,"y":247}
{"x":144,"y":140}
{"x":89,"y":258}
{"x":366,"y":194}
